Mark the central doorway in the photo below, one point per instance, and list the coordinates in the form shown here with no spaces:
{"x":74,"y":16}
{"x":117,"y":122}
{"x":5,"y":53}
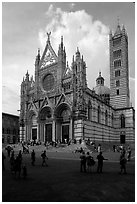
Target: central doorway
{"x":48,"y":133}
{"x":34,"y":134}
{"x":65,"y":133}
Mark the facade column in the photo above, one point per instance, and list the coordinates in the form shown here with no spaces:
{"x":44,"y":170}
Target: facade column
{"x":26,"y":133}
{"x":53,"y":131}
{"x":71,"y":129}
{"x":40,"y":132}
{"x":38,"y":129}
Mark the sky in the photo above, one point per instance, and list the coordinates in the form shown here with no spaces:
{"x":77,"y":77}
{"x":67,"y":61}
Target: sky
{"x":82,"y":25}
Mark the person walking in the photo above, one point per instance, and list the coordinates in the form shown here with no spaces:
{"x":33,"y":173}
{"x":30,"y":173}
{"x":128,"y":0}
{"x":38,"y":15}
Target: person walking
{"x":123,"y":162}
{"x":100,"y":159}
{"x":33,"y":157}
{"x":44,"y":157}
{"x":82,"y":162}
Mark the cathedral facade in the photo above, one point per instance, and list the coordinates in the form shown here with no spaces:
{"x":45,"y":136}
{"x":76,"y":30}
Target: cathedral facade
{"x":58,"y":105}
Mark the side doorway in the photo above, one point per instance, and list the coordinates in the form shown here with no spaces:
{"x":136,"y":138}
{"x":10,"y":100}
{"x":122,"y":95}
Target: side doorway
{"x":65,"y":133}
{"x":34,"y":134}
{"x":48,"y":133}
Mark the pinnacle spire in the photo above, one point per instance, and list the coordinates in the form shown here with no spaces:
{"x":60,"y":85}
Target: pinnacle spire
{"x":77,"y":53}
{"x":62,"y":42}
{"x":48,"y":34}
{"x":118,"y":29}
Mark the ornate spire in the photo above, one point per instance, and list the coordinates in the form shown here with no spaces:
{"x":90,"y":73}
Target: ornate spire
{"x":123,"y":29}
{"x":77,"y":53}
{"x":118,"y":30}
{"x":48,"y":34}
{"x":62,"y":42}
{"x":38,"y":53}
{"x":27,"y":76}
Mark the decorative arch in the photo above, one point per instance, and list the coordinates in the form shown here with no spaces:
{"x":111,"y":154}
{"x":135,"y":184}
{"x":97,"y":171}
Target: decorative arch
{"x":45,"y":113}
{"x":32,"y":115}
{"x":63,"y":111}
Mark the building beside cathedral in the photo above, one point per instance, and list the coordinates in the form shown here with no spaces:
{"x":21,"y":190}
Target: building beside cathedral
{"x":58,"y":105}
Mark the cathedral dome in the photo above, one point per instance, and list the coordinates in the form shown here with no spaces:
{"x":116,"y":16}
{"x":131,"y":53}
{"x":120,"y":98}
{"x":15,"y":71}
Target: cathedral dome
{"x":102,"y":90}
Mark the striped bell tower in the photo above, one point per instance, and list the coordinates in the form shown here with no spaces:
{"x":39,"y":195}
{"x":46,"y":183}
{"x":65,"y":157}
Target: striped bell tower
{"x":119,"y":71}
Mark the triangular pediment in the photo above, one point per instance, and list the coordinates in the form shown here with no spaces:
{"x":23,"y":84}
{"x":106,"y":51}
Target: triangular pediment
{"x":32,"y":106}
{"x":49,"y":56}
{"x":61,"y":99}
{"x":46,"y":102}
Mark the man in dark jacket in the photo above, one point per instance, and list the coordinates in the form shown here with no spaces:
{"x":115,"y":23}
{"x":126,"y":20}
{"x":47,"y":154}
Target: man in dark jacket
{"x":100,"y":159}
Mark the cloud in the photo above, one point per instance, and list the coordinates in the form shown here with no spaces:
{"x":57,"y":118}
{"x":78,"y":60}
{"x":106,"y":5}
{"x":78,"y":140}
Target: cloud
{"x":12,"y":76}
{"x":91,"y":36}
{"x":10,"y":100}
{"x":79,"y":30}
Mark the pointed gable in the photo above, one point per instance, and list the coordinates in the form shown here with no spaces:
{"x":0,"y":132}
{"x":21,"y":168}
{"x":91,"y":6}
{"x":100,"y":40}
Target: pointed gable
{"x":49,"y":56}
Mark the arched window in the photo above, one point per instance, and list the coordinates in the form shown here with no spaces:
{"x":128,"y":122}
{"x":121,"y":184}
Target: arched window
{"x":106,"y":118}
{"x":122,"y":118}
{"x":98,"y":114}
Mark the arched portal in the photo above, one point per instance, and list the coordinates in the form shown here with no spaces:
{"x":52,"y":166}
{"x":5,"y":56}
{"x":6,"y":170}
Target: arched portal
{"x":46,"y":120}
{"x":63,"y":124}
{"x":32,"y":129}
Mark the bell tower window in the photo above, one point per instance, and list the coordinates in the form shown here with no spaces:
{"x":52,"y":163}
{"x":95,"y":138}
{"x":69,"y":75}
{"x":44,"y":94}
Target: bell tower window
{"x":117,"y":83}
{"x":117,"y":91}
{"x":117,"y":41}
{"x":117,"y":54}
{"x":117,"y":73}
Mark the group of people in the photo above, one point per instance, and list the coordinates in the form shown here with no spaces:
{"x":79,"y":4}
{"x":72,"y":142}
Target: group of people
{"x":16,"y":164}
{"x":43,"y":155}
{"x":87,"y":161}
